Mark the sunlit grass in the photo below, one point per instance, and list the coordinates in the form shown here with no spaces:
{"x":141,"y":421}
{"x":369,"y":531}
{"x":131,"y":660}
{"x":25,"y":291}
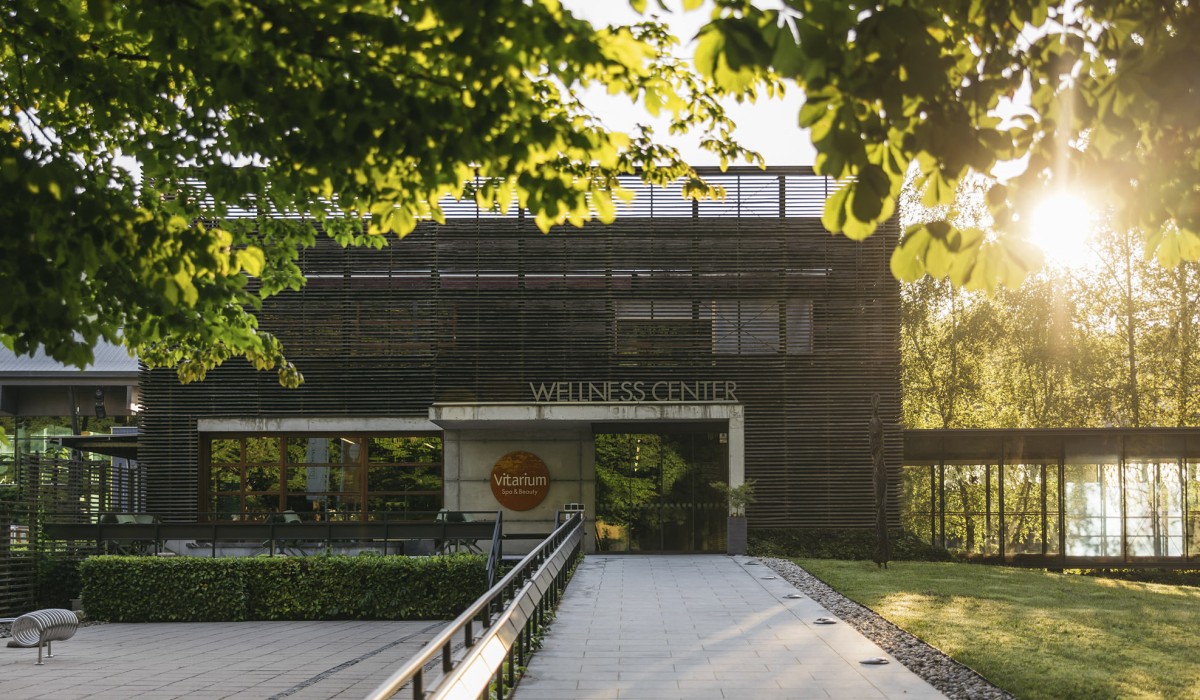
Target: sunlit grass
{"x":1038,"y":634}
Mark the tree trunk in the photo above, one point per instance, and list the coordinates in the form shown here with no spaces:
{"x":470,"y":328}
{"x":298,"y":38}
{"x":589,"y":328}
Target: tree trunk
{"x":1131,"y":345}
{"x":878,"y":457}
{"x":1183,"y":353}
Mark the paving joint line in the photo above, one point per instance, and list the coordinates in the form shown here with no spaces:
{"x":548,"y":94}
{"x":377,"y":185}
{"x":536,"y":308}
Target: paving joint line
{"x":347,"y":664}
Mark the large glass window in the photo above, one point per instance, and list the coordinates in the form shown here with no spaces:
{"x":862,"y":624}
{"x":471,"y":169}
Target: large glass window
{"x":1030,"y":509}
{"x":661,"y":328}
{"x":722,"y":327}
{"x":919,"y":501}
{"x":1192,"y":495}
{"x":1154,"y":509}
{"x":972,"y":520}
{"x":323,"y":477}
{"x":1093,"y":510}
{"x":746,"y":327}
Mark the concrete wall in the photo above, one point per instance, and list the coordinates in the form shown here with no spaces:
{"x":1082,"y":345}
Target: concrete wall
{"x":568,"y":452}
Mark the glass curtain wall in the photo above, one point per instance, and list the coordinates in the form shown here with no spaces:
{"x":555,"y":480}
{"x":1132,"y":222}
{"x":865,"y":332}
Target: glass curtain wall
{"x":1107,"y":497}
{"x":1191,"y":499}
{"x":1031,"y":523}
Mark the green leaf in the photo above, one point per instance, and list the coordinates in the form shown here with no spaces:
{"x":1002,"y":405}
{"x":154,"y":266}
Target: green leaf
{"x":835,"y":214}
{"x":789,"y":59}
{"x":868,"y":194}
{"x":908,"y":259}
{"x":252,"y":260}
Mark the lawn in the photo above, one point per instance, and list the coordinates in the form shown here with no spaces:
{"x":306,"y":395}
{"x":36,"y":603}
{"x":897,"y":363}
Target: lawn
{"x":1039,"y":634}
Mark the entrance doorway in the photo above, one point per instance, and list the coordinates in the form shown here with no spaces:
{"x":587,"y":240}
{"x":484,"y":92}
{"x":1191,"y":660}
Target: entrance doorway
{"x":654,"y":492}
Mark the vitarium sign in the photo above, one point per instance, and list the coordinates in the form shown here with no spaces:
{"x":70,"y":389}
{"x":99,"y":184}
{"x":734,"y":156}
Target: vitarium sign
{"x":520,"y":480}
{"x":633,"y":392}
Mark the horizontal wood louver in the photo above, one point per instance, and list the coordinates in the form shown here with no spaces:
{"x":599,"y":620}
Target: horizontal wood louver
{"x":478,"y":308}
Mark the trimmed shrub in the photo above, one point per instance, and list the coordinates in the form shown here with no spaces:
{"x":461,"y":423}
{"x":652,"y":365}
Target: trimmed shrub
{"x":163,"y":589}
{"x":57,"y":581}
{"x":187,"y":589}
{"x":832,"y":543}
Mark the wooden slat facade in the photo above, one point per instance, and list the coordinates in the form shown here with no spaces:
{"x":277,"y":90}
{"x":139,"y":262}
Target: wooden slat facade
{"x":18,"y":566}
{"x":482,"y":306}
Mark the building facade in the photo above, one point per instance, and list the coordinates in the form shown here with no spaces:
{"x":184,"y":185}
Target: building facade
{"x":480,"y":365}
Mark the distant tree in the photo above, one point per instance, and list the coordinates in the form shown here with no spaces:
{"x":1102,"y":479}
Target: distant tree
{"x":942,"y":328}
{"x":1182,"y":341}
{"x":358,"y":116}
{"x":942,"y":351}
{"x":1030,"y":378}
{"x":1119,"y":307}
{"x":1101,"y":99}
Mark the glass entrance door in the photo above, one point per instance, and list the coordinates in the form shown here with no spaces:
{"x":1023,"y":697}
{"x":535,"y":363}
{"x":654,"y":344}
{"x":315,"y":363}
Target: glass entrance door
{"x":654,"y":493}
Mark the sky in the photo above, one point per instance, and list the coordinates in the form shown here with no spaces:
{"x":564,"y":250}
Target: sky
{"x":767,"y":126}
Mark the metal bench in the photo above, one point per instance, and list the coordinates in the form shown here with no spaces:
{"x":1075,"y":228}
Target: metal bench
{"x":41,"y":627}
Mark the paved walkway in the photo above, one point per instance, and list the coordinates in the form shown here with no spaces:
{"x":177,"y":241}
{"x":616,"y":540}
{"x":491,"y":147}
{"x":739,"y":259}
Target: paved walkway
{"x":676,"y":626}
{"x":207,"y":661}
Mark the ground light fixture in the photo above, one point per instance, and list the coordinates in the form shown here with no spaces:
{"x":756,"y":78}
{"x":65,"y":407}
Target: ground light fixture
{"x":825,"y":621}
{"x":794,"y":596}
{"x":875,"y":661}
{"x":769,"y":578}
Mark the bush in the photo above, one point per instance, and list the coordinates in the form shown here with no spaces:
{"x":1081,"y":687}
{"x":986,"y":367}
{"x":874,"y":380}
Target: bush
{"x":57,"y":581}
{"x":193,"y":589}
{"x":162,"y":589}
{"x":832,"y":543}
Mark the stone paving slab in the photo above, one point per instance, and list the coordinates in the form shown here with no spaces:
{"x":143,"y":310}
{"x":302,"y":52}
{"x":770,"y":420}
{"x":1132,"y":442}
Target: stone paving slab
{"x":706,"y":626}
{"x":216,"y":660}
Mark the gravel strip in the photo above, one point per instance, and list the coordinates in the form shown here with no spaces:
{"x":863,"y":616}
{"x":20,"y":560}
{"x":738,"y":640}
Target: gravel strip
{"x":939,"y":670}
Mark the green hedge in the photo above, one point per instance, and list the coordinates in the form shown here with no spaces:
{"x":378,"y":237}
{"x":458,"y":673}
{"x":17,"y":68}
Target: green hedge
{"x":57,"y":580}
{"x":196,"y":589}
{"x":832,"y":543}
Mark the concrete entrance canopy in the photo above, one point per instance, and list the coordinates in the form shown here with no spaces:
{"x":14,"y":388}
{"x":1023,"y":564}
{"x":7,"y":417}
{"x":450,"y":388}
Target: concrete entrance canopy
{"x":561,"y":434}
{"x":510,"y":416}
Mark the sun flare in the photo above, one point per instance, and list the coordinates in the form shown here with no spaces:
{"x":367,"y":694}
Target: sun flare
{"x":1062,"y":226}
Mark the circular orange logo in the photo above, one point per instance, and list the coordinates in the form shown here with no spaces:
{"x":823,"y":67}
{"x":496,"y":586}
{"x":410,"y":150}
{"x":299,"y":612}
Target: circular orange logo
{"x":520,"y":480}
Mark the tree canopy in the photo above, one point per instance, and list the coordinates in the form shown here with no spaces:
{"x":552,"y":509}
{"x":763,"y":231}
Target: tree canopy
{"x":362,"y":115}
{"x":337,"y":111}
{"x":1093,"y":96}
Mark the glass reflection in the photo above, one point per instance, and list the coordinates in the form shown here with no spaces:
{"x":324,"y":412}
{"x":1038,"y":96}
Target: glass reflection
{"x":321,"y":477}
{"x":654,"y":493}
{"x":1113,"y":495}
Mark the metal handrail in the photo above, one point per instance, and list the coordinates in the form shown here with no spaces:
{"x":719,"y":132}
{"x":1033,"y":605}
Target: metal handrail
{"x":519,"y":601}
{"x":496,"y":551}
